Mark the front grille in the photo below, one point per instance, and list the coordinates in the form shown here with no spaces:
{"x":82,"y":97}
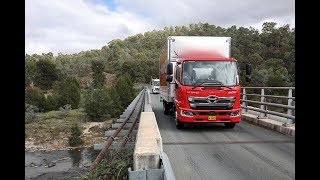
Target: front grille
{"x":224,"y":113}
{"x":212,"y":113}
{"x":212,"y":108}
{"x":211,"y":103}
{"x":200,"y":101}
{"x":223,"y":101}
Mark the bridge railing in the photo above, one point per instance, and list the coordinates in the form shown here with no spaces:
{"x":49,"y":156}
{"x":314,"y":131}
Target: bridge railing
{"x":264,"y":104}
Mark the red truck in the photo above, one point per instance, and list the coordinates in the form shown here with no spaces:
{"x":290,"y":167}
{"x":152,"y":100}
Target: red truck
{"x":199,"y":80}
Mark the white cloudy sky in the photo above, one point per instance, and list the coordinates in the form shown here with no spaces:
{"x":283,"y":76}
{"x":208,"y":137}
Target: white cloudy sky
{"x":71,"y":26}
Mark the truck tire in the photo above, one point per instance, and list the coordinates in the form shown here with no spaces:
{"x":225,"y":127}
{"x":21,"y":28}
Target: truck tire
{"x":165,"y":108}
{"x":179,"y":124}
{"x":229,"y":125}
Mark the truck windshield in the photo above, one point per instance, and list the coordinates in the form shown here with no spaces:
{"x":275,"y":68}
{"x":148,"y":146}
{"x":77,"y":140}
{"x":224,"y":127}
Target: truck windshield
{"x":156,"y":83}
{"x":209,"y":73}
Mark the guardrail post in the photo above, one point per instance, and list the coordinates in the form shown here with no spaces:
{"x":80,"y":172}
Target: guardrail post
{"x":293,"y":111}
{"x":244,"y":97}
{"x":262,"y":107}
{"x":290,"y":111}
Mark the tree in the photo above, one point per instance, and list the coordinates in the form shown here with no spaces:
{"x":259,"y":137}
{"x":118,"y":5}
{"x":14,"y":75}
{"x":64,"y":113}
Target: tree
{"x":116,"y":108}
{"x":53,"y":101}
{"x":255,"y":60}
{"x":138,"y":55}
{"x":268,"y":27}
{"x":131,"y":69}
{"x":45,"y":74}
{"x":68,"y":92}
{"x":260,"y":78}
{"x":98,"y":76}
{"x":98,"y":104}
{"x":124,"y":88}
{"x":30,"y":67}
{"x":36,"y":98}
{"x":278,"y":77}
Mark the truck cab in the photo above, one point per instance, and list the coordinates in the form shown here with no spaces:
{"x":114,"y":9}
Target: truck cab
{"x":199,"y":81}
{"x":207,"y":90}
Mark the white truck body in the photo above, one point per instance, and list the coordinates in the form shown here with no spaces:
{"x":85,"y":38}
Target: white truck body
{"x":177,"y":46}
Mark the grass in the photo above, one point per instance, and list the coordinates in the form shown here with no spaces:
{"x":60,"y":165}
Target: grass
{"x":114,"y":166}
{"x":54,"y":124}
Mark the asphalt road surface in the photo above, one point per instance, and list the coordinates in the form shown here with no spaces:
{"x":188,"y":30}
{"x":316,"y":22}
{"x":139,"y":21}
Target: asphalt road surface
{"x":214,"y":152}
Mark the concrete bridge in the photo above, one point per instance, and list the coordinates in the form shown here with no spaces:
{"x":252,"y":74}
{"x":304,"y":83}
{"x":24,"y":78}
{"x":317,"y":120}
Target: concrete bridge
{"x":213,"y":152}
{"x":261,"y":146}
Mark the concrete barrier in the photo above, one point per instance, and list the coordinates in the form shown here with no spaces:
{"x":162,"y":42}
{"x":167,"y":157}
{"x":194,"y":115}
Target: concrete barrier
{"x":147,"y":102}
{"x":150,"y":162}
{"x":148,"y":143}
{"x":269,"y":124}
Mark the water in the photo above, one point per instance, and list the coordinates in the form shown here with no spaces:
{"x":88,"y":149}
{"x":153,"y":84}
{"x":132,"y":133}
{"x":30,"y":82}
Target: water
{"x":68,"y":163}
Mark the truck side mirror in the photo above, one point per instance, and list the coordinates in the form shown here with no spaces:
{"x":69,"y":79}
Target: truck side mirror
{"x":248,"y":72}
{"x":169,"y":78}
{"x":248,"y":69}
{"x":248,"y":78}
{"x":170,"y":69}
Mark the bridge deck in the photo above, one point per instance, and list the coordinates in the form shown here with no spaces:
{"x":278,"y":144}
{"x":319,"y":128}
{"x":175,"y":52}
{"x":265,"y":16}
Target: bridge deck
{"x":213,"y":152}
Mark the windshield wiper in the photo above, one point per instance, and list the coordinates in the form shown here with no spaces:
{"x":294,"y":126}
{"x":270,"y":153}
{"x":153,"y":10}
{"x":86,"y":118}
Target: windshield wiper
{"x":213,"y":83}
{"x":219,"y":83}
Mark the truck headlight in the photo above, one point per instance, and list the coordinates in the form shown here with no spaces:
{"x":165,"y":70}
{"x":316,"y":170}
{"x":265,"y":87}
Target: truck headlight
{"x":187,"y":113}
{"x":235,"y":113}
{"x":190,"y":99}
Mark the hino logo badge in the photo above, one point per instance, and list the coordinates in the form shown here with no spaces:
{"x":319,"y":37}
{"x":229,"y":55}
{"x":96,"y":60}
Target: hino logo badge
{"x":212,"y":99}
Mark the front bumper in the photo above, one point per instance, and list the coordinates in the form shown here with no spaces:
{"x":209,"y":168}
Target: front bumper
{"x":202,"y":116}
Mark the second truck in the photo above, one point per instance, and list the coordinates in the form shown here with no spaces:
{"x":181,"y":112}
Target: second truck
{"x":199,"y":80}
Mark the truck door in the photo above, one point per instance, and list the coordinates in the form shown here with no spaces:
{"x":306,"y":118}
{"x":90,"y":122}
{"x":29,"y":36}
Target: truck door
{"x":177,"y":81}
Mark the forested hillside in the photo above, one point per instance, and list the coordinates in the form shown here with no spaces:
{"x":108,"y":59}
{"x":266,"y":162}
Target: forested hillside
{"x":97,"y":85}
{"x":54,"y":81}
{"x":271,"y":52}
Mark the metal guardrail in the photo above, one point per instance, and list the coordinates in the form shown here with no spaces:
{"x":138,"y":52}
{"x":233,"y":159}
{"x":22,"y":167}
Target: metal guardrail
{"x":138,"y":104}
{"x":290,"y":107}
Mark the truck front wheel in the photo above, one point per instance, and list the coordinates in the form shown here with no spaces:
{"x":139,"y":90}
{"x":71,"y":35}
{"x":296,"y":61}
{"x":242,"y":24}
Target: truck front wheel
{"x":165,"y":108}
{"x":179,"y":124}
{"x":229,"y":125}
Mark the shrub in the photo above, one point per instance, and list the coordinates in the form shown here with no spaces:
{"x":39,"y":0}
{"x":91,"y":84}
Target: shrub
{"x":116,"y":107}
{"x":53,"y":101}
{"x":124,"y":89}
{"x":68,"y":92}
{"x":64,"y":110}
{"x":36,"y":98}
{"x":45,"y":74}
{"x":114,"y":166}
{"x":98,"y":104}
{"x":75,"y":137}
{"x":98,"y":76}
{"x":30,"y":113}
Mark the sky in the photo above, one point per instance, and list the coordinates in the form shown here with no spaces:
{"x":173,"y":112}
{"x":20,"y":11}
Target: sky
{"x":72,"y":26}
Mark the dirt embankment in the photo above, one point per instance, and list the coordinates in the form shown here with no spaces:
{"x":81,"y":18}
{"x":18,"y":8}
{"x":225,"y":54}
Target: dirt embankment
{"x":93,"y":132}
